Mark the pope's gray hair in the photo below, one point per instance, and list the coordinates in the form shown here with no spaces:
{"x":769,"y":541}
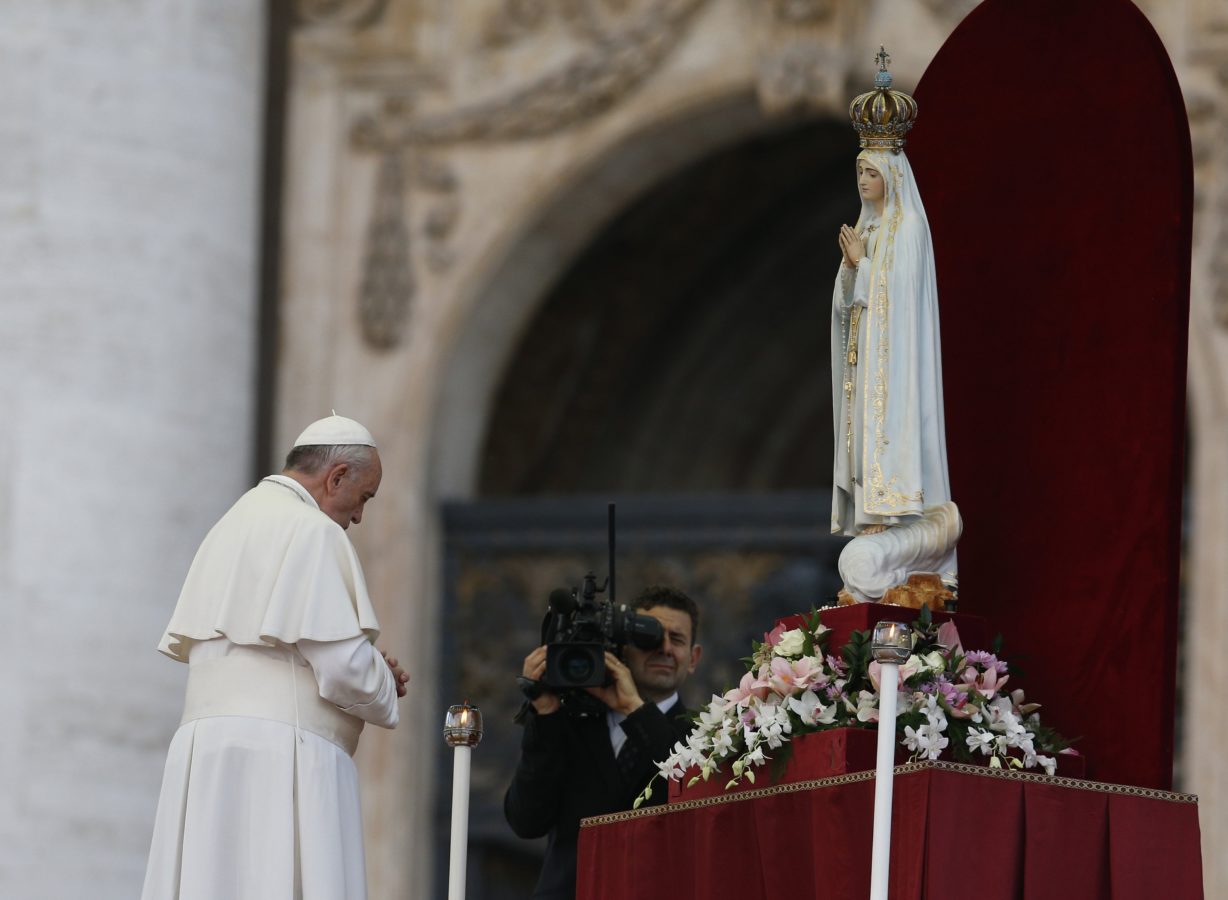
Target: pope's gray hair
{"x":314,"y":458}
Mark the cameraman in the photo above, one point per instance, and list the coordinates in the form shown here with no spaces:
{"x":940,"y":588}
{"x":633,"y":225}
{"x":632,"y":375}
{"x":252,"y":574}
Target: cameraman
{"x":572,"y":767}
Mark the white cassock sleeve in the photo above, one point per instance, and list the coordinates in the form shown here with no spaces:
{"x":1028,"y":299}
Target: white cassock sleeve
{"x":353,"y":675}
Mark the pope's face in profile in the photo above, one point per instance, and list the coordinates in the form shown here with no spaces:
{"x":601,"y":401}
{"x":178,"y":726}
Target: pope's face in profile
{"x":347,"y":490}
{"x":870,"y":183}
{"x":659,"y":673}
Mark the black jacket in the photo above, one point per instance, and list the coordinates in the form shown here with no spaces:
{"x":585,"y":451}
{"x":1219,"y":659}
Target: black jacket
{"x":567,"y":772}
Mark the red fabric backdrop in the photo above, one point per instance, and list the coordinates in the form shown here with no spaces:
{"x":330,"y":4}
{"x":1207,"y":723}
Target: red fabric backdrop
{"x":1053,"y":155}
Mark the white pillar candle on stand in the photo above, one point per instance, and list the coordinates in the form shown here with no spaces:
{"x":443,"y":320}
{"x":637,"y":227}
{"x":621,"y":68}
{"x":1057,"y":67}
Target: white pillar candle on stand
{"x":462,"y":730}
{"x":891,"y":645}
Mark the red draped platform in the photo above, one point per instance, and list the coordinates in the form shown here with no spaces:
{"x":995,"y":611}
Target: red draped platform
{"x":958,"y":833}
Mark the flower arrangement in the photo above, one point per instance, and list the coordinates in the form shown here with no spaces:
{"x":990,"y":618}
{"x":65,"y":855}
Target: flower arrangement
{"x":950,"y":701}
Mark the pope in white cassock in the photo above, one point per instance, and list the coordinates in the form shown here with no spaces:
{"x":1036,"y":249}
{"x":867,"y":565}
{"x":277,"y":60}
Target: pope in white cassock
{"x":260,"y":795}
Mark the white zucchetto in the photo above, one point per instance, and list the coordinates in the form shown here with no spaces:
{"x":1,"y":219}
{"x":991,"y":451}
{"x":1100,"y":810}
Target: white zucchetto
{"x":334,"y":431}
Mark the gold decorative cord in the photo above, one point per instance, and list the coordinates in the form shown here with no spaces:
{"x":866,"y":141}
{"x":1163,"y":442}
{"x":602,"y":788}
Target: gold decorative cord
{"x":850,"y":383}
{"x":1079,"y":784}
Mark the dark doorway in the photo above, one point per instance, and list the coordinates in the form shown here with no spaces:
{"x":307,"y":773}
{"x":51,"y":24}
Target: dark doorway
{"x":687,"y":349}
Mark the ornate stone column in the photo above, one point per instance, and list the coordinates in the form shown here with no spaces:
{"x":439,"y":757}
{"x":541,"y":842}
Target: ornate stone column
{"x":130,"y":135}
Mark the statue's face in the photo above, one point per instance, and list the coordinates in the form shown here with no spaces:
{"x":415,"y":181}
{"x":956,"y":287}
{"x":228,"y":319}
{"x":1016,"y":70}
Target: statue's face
{"x":870,"y":182}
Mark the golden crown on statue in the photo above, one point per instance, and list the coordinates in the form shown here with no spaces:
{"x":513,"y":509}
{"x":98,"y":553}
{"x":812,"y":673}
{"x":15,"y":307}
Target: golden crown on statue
{"x":882,"y":117}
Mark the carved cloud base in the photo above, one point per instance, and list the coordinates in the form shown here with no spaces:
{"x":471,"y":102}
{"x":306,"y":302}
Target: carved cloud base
{"x":873,"y":564}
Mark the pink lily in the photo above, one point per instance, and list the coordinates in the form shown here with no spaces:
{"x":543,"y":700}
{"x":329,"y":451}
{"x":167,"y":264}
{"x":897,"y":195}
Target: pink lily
{"x":948,"y":636}
{"x":985,"y":683}
{"x":771,"y":637}
{"x":748,"y":687}
{"x":788,"y":678}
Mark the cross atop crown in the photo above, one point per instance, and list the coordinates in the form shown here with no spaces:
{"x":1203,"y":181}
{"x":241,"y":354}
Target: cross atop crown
{"x":883,"y":116}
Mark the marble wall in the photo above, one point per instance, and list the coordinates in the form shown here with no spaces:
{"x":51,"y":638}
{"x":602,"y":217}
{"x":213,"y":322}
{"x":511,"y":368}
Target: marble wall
{"x":130,"y":135}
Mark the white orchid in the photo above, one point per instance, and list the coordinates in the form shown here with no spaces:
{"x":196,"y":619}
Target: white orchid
{"x":925,"y":740}
{"x":722,"y":743}
{"x":912,"y":737}
{"x":999,"y":710}
{"x":772,"y":722}
{"x":867,"y":706}
{"x":672,"y":769}
{"x":934,"y":712}
{"x":936,"y":744}
{"x":978,"y":739}
{"x":698,"y":741}
{"x":714,"y":714}
{"x":810,"y":709}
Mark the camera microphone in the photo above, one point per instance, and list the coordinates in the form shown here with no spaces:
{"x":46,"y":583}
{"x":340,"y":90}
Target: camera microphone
{"x":562,"y":602}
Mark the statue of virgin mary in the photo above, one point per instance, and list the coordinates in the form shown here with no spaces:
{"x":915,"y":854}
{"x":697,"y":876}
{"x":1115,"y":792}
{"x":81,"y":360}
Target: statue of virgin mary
{"x":890,"y":484}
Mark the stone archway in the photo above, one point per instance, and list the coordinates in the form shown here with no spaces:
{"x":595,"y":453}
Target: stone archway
{"x":500,"y":308}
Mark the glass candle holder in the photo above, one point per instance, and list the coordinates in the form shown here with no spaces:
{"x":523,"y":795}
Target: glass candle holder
{"x":892,"y":642}
{"x":462,"y":726}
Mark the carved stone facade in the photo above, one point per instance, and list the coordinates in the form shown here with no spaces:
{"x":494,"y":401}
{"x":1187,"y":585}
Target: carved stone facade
{"x":446,"y":162}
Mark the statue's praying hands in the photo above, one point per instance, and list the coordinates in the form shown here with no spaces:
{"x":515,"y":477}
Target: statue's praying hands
{"x":852,"y":246}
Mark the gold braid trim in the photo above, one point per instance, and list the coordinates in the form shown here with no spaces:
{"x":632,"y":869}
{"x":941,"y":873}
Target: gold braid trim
{"x":1080,"y":784}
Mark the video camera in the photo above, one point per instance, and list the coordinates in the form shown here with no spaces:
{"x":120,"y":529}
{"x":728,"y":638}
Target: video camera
{"x":580,"y":627}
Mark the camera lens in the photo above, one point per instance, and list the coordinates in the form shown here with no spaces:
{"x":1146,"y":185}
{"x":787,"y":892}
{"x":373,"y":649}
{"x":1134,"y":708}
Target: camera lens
{"x":576,"y":665}
{"x":644,"y":632}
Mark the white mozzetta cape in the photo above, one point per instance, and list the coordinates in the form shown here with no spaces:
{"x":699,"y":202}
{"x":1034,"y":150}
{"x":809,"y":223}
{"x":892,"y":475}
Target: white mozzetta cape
{"x":274,"y":569}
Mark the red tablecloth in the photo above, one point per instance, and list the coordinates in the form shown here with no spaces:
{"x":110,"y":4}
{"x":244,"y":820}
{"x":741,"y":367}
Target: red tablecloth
{"x":957,"y":832}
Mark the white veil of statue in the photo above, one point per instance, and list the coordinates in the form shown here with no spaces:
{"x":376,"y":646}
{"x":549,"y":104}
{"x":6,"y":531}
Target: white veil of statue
{"x":890,"y":453}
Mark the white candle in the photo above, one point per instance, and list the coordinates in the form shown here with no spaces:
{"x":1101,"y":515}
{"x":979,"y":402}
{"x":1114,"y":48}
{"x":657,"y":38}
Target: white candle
{"x":880,"y":865}
{"x":462,"y":730}
{"x":458,"y":857}
{"x":891,"y":644}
